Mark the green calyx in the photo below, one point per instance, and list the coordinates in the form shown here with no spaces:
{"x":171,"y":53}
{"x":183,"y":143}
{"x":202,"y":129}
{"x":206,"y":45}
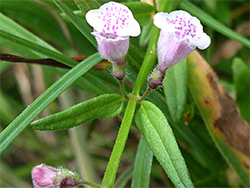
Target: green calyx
{"x":118,"y":71}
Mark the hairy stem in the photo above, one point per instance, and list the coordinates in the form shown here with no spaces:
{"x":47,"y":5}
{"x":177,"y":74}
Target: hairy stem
{"x":144,"y":96}
{"x":148,"y":62}
{"x":92,"y":184}
{"x":122,"y":87}
{"x":110,"y":174}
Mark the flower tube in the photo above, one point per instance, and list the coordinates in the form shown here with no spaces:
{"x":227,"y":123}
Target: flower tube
{"x":180,"y":34}
{"x":113,"y":23}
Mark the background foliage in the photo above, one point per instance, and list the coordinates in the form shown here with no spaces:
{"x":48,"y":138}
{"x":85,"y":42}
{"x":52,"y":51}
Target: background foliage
{"x":40,"y":30}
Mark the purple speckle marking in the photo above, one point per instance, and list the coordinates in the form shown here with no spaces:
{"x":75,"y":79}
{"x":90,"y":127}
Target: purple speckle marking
{"x":177,"y":33}
{"x":183,"y":28}
{"x":114,"y":18}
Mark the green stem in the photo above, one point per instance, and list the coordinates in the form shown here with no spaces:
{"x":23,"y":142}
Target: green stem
{"x":122,"y":87}
{"x":109,"y":176}
{"x":147,"y":66}
{"x":144,"y":95}
{"x":92,"y":184}
{"x":148,"y":61}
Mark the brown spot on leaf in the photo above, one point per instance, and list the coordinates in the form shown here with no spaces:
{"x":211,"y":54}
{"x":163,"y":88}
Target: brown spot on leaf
{"x":225,"y":114}
{"x":206,"y":100}
{"x":229,"y":122}
{"x":246,"y":166}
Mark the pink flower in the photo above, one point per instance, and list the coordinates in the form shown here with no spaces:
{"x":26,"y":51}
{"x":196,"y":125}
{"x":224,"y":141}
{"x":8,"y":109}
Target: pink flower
{"x":113,"y":23}
{"x":180,"y":35}
{"x":44,"y":176}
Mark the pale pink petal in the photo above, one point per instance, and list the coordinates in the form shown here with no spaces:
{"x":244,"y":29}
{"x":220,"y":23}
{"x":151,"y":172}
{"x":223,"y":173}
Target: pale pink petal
{"x":171,"y":50}
{"x":180,"y":35}
{"x":43,"y":176}
{"x":113,"y":49}
{"x":113,"y":19}
{"x":183,"y":26}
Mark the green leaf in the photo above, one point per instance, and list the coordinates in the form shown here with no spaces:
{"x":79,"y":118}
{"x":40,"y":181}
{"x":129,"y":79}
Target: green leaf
{"x":77,"y":13}
{"x":160,"y":138}
{"x":9,"y":26}
{"x":12,"y":27}
{"x":213,"y":23}
{"x":167,"y":5}
{"x":37,"y":48}
{"x":175,"y":89}
{"x":104,"y":106}
{"x":145,"y":34}
{"x":142,"y":165}
{"x":186,"y":135}
{"x":36,"y":17}
{"x":143,"y":14}
{"x":80,"y":24}
{"x":33,"y":110}
{"x":241,"y":74}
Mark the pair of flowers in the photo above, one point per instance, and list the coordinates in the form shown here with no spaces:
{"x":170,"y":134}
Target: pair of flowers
{"x":113,"y":23}
{"x":180,"y":34}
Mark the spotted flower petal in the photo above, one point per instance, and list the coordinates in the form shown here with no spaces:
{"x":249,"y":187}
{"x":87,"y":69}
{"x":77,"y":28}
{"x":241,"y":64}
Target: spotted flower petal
{"x":113,"y":19}
{"x":184,"y":27}
{"x":180,"y":35}
{"x":113,"y":23}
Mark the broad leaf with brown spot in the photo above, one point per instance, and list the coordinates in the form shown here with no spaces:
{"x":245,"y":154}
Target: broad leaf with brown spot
{"x":229,"y":131}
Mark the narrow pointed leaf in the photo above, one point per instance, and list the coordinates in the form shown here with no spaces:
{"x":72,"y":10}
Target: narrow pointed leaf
{"x":33,"y":110}
{"x":80,"y":24}
{"x":37,"y":48}
{"x":175,"y":89}
{"x":221,"y":115}
{"x":104,"y":106}
{"x":12,"y":27}
{"x":142,"y":165}
{"x":160,"y":138}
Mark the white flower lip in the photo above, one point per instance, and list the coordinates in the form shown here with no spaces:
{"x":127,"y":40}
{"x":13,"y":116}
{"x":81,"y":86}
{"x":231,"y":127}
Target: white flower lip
{"x":183,"y":26}
{"x":113,"y":19}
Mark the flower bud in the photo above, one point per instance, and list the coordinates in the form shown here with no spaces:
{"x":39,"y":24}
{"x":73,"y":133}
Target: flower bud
{"x":44,"y":176}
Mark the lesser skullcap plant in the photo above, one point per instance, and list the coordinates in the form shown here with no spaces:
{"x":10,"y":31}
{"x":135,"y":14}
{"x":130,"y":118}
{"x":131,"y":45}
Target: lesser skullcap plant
{"x":167,"y":92}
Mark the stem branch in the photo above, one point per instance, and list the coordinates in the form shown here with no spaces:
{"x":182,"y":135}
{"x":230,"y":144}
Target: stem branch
{"x":144,"y":95}
{"x":122,"y":87}
{"x":92,"y":184}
